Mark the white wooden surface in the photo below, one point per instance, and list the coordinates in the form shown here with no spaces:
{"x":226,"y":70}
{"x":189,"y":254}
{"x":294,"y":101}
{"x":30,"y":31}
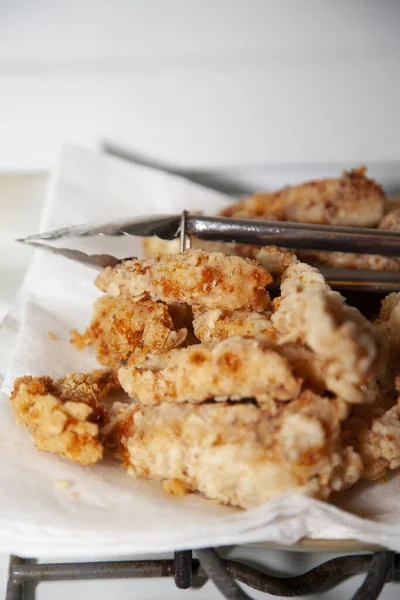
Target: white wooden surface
{"x":201,"y":83}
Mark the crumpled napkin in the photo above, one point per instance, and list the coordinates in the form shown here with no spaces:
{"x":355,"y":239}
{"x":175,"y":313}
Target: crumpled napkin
{"x":103,"y":511}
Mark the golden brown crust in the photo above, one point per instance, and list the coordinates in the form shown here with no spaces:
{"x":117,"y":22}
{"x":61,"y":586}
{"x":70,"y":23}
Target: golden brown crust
{"x":350,"y":260}
{"x":233,"y":369}
{"x":275,"y":260}
{"x":351,"y":350}
{"x":236,"y":453}
{"x":64,"y":416}
{"x":122,"y":329}
{"x":388,"y":324}
{"x":351,"y":200}
{"x":195,"y":277}
{"x":213,"y":325}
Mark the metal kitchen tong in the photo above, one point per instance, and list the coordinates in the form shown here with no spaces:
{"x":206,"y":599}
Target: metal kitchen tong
{"x":242,"y":231}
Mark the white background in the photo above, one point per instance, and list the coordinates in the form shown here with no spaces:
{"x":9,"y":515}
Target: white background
{"x":200,"y":83}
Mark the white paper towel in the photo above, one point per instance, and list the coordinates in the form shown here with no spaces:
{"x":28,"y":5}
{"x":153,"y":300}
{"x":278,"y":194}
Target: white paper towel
{"x":104,"y":511}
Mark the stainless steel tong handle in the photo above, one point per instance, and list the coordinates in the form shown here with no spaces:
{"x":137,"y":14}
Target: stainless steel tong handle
{"x":243,"y":231}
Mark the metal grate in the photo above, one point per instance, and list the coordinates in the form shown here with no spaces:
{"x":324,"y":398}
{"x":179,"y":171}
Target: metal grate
{"x":380,"y":568}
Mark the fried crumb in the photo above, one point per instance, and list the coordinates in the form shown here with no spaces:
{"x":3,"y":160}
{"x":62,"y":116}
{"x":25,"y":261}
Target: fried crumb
{"x":52,"y":336}
{"x":125,"y":330}
{"x":62,"y":484}
{"x":176,"y":487}
{"x":63,"y":416}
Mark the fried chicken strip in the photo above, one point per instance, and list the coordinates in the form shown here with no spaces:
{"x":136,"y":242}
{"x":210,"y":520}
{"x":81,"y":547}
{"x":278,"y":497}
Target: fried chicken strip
{"x":275,"y":260}
{"x":233,"y":369}
{"x":376,"y":438}
{"x":64,"y":416}
{"x":121,"y":329}
{"x":350,"y":260}
{"x":236,"y":453}
{"x":352,"y":200}
{"x":388,"y":324}
{"x":195,"y":277}
{"x":217,"y":324}
{"x":351,"y":350}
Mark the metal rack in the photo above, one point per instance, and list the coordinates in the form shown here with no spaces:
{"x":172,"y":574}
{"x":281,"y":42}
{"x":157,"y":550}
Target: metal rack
{"x":187,"y":572}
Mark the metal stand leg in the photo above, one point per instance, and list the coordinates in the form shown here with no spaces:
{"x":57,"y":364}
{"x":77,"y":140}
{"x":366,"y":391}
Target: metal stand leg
{"x":379,"y":573}
{"x":183,"y":569}
{"x":215,"y":569}
{"x":15,"y":589}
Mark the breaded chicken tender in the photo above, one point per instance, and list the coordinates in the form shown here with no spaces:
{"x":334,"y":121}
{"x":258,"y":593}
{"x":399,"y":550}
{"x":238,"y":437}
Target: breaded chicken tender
{"x":121,"y":329}
{"x":195,"y":277}
{"x":391,"y":220}
{"x":377,"y":440}
{"x":231,"y":369}
{"x":64,"y":416}
{"x":213,"y":325}
{"x":388,"y":324}
{"x":351,"y":200}
{"x":350,"y":260}
{"x":275,"y":260}
{"x":236,"y":453}
{"x":350,"y":348}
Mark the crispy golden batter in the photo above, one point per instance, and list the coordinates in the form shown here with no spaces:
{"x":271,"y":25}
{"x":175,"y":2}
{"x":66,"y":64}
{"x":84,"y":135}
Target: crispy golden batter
{"x":275,"y":260}
{"x":64,"y":416}
{"x":377,"y":440}
{"x":213,"y":325}
{"x":306,"y":365}
{"x":233,"y":369}
{"x":388,"y":324}
{"x":155,"y":246}
{"x":391,"y":220}
{"x":373,"y":429}
{"x":195,"y":277}
{"x":350,"y":260}
{"x":352,"y":200}
{"x":350,"y":348}
{"x":236,"y":453}
{"x":121,"y":329}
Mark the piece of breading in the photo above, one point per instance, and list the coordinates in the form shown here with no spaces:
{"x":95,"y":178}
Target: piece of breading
{"x":194,"y":277}
{"x":350,"y":260}
{"x":64,"y":416}
{"x":352,"y":200}
{"x":122,"y":329}
{"x":350,"y":348}
{"x":306,"y":365}
{"x":391,"y":220}
{"x":275,"y":260}
{"x":373,"y":429}
{"x":377,"y":440}
{"x":236,"y":453}
{"x":217,"y":324}
{"x":300,"y":277}
{"x":232,"y":369}
{"x":388,"y":324}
